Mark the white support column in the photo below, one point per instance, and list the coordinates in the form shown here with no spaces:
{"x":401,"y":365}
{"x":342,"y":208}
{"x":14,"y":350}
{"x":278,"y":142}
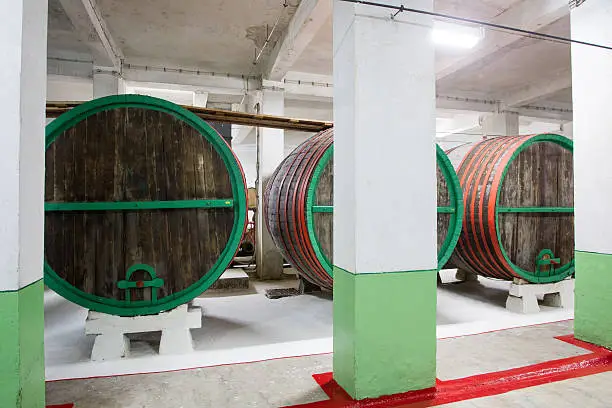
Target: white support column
{"x":385,"y":258}
{"x":23,"y":35}
{"x":107,"y":81}
{"x":500,"y":124}
{"x":271,"y":146}
{"x":592,"y":93}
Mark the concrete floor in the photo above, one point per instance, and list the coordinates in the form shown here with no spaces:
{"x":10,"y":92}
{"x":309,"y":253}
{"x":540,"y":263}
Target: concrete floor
{"x":246,"y":326}
{"x":287,"y":382}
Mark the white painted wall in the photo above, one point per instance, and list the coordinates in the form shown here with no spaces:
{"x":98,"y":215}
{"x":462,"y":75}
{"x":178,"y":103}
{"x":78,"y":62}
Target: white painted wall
{"x":67,"y":88}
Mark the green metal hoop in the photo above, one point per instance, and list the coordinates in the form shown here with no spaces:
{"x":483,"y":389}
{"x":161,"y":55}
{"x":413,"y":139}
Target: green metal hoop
{"x":455,"y":194}
{"x":311,"y":209}
{"x":565,"y":270}
{"x":112,"y":306}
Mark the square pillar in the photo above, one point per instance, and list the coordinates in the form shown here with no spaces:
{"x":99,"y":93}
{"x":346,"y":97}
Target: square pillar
{"x":22,"y":158}
{"x":271,"y":152}
{"x":592,"y":92}
{"x":384,"y":200}
{"x":107,"y":81}
{"x":500,"y":124}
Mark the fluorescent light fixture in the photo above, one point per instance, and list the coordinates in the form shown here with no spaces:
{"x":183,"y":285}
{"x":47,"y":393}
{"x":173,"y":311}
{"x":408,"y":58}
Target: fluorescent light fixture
{"x":456,"y":35}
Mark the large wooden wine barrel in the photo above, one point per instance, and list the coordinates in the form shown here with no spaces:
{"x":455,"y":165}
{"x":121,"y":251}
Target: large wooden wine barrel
{"x":518,"y":197}
{"x":298,"y":208}
{"x":145,"y":205}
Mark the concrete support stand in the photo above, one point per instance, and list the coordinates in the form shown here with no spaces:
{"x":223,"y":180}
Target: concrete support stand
{"x":465,"y":276}
{"x":523,"y":297}
{"x":111,"y":342}
{"x":232,"y":279}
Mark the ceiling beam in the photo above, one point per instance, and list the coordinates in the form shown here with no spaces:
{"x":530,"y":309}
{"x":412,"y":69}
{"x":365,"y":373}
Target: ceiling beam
{"x":91,"y":28}
{"x":536,"y":92}
{"x":308,"y":19}
{"x":96,"y":18}
{"x":527,"y":15}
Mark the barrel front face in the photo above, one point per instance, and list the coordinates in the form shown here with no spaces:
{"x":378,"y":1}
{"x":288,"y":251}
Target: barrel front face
{"x":145,"y":205}
{"x":519,"y":222}
{"x":298,"y":208}
{"x":535,"y":209}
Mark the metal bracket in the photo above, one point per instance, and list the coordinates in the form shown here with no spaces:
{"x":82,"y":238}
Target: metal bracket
{"x":546,"y":259}
{"x":154,"y":283}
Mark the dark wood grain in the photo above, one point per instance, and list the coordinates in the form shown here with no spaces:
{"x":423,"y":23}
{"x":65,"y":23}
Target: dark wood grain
{"x":132,"y":154}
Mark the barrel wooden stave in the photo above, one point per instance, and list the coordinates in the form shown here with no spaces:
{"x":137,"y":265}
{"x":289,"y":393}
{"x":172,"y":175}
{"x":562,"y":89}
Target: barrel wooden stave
{"x":135,"y":154}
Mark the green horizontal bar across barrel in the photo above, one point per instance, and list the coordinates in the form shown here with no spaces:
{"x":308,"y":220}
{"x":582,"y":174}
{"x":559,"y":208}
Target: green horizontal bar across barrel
{"x":298,"y":208}
{"x":138,"y":205}
{"x":535,"y":209}
{"x":166,"y":244}
{"x":330,"y":209}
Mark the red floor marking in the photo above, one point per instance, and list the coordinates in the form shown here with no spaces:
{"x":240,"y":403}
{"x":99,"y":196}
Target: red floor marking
{"x":478,"y":386}
{"x":61,"y":406}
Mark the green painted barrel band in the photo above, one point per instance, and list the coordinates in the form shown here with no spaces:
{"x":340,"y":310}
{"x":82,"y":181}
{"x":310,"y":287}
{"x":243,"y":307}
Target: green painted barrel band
{"x":112,"y":306}
{"x":446,"y":210}
{"x":455,"y":209}
{"x":565,"y":270}
{"x":138,"y":205}
{"x":310,"y":210}
{"x":323,"y":208}
{"x":510,"y":210}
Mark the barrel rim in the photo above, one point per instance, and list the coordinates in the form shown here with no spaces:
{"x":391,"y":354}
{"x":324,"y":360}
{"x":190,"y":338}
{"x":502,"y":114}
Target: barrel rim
{"x":310,"y":199}
{"x":116,"y":307}
{"x":455,"y":195}
{"x":567,"y":269}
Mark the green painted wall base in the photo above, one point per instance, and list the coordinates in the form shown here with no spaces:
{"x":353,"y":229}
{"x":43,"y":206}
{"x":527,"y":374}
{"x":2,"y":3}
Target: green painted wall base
{"x":384,"y":332}
{"x":22,"y":354}
{"x":593,"y":298}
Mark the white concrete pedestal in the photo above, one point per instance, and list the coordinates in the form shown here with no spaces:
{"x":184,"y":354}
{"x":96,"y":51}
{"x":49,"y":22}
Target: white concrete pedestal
{"x":112,"y":343}
{"x":465,"y":276}
{"x":522,"y":297}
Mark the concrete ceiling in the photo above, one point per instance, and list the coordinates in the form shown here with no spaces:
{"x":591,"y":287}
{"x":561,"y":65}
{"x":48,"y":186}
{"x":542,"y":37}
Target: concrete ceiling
{"x":526,"y":60}
{"x":217,"y":35}
{"x":224,"y":36}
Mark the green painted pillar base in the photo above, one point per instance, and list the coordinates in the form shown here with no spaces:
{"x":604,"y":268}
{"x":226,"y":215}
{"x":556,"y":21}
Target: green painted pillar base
{"x":384,"y":332}
{"x":22,"y":354}
{"x":593,"y":298}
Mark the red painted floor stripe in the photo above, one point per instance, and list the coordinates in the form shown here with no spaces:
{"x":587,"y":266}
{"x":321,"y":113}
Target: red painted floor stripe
{"x":61,"y":406}
{"x":478,"y":386}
